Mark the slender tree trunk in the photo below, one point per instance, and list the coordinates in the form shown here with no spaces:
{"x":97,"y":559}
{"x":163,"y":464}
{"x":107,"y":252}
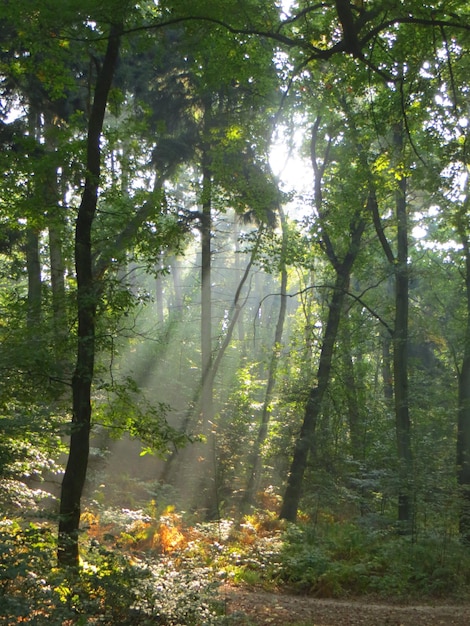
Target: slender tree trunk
{"x":56,"y":229}
{"x":240,"y":325}
{"x":178,"y":292}
{"x":207,"y":488}
{"x":254,"y":476}
{"x":387,"y":375}
{"x":303,"y":444}
{"x":351,"y":393}
{"x":33,"y":266}
{"x":400,"y":339}
{"x":206,"y":292}
{"x":400,"y":352}
{"x":75,"y":472}
{"x":33,"y":260}
{"x":234,"y":315}
{"x":159,"y":291}
{"x":305,"y":441}
{"x":463,"y":424}
{"x":57,"y":281}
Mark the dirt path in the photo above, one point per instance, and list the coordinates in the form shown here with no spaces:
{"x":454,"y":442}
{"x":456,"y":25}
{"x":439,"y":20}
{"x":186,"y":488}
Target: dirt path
{"x":273,"y":609}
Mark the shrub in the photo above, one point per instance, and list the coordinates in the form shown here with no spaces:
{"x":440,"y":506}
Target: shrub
{"x":109,"y":589}
{"x":344,"y":559}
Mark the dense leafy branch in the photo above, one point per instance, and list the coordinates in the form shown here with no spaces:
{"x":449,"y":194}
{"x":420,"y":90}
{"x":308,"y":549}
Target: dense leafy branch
{"x":350,"y":43}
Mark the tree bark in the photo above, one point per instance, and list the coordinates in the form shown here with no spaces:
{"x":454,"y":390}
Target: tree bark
{"x":305,"y":441}
{"x":159,"y":290}
{"x":177,"y":290}
{"x":33,"y":266}
{"x":400,"y":352}
{"x":387,"y":376}
{"x":56,"y":229}
{"x":234,"y":315}
{"x":313,"y":407}
{"x":206,"y":488}
{"x":254,"y":477}
{"x":87,"y":290}
{"x":206,"y":289}
{"x":33,"y":260}
{"x":400,"y":338}
{"x":463,"y":423}
{"x":57,"y":281}
{"x":351,"y":393}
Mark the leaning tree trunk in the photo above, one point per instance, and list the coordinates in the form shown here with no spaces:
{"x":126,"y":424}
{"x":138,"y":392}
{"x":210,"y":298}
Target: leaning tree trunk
{"x":75,"y":472}
{"x":303,"y":445}
{"x":313,"y":407}
{"x":254,"y":476}
{"x":206,"y":293}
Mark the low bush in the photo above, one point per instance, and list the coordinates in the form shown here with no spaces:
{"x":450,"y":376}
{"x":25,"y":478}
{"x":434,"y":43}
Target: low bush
{"x":110,"y":587}
{"x":135,"y":572}
{"x":344,"y":559}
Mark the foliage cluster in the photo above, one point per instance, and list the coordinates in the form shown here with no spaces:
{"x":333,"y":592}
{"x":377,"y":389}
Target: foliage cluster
{"x":151,"y":567}
{"x":344,"y":337}
{"x":340,"y":559}
{"x":325,"y":556}
{"x":30,"y":451}
{"x":110,"y":587}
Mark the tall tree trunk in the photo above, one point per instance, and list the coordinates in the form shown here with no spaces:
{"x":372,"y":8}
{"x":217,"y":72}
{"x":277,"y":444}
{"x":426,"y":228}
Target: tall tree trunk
{"x":463,"y":424}
{"x":178,"y":292}
{"x":351,"y":393}
{"x":255,"y":466}
{"x":240,"y":324}
{"x":57,"y":279}
{"x":305,"y":441}
{"x":207,"y":488}
{"x":33,"y":260}
{"x":87,"y":289}
{"x":400,"y":338}
{"x":56,"y":229}
{"x":206,"y":292}
{"x":159,"y":290}
{"x":400,"y":351}
{"x":387,"y":375}
{"x":234,"y":315}
{"x":303,"y":444}
{"x":33,"y":267}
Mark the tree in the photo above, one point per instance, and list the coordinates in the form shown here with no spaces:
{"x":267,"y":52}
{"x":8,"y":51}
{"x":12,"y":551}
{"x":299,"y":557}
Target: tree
{"x":342,"y":264}
{"x":197,"y":87}
{"x":463,"y":423}
{"x":75,"y":472}
{"x":399,"y":266}
{"x":255,"y":465}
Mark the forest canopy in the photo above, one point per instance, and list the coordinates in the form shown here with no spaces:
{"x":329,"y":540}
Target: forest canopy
{"x":235,"y":269}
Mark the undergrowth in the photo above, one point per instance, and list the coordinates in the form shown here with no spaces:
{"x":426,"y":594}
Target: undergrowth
{"x":145,"y":567}
{"x":343,"y":559}
{"x":112,"y":586}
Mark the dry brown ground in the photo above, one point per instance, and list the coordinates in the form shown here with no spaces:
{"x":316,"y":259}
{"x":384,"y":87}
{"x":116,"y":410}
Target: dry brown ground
{"x":275,"y":609}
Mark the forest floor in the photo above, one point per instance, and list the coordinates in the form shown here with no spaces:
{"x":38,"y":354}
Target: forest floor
{"x":263,"y":608}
